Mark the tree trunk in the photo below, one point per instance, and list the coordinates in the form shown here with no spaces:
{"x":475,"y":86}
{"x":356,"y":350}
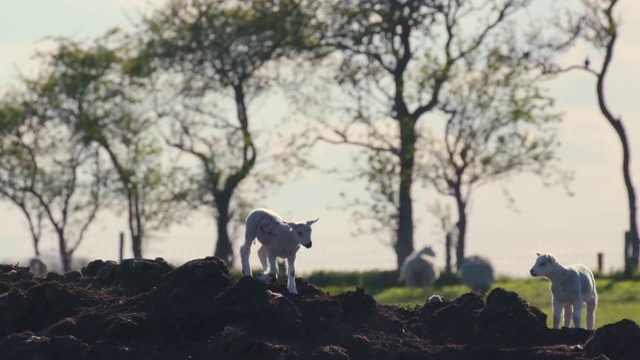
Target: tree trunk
{"x":224,"y":248}
{"x":628,"y":254}
{"x":404,"y":237}
{"x":135,"y":227}
{"x":136,"y":245}
{"x":631,"y":195}
{"x":447,"y":246}
{"x":634,"y":240}
{"x":135,"y":222}
{"x":462,"y":229}
{"x":620,"y":131}
{"x":65,"y":257}
{"x":404,"y":241}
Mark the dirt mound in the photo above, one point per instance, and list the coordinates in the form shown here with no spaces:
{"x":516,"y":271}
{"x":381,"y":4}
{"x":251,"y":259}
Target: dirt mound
{"x":148,"y":309}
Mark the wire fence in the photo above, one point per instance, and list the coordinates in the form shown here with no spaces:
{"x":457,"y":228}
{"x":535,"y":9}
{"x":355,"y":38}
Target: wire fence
{"x":513,"y":259}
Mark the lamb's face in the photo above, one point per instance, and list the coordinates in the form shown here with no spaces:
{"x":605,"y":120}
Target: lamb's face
{"x":543,"y":265}
{"x":428,"y":250}
{"x":302,"y":232}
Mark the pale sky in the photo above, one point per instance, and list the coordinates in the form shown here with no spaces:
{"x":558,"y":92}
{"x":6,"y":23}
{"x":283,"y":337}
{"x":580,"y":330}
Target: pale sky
{"x":574,"y":228}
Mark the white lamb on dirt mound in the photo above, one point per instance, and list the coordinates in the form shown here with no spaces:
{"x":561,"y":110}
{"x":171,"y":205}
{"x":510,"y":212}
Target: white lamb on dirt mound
{"x":278,"y":239}
{"x":477,"y":273}
{"x":571,"y":286}
{"x":418,"y":269}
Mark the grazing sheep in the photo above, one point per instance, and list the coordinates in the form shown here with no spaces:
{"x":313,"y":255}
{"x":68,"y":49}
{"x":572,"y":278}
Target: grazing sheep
{"x":477,"y":273}
{"x":418,"y":269}
{"x":38,"y":267}
{"x":279,"y":239}
{"x":570,"y":287}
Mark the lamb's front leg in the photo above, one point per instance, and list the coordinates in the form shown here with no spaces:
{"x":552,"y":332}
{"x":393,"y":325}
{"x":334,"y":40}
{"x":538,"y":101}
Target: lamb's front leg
{"x":557,"y":310}
{"x":568,"y":315}
{"x":291,"y":275}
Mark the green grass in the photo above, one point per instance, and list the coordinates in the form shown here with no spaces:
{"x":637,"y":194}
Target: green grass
{"x":617,"y":298}
{"x":115,"y":289}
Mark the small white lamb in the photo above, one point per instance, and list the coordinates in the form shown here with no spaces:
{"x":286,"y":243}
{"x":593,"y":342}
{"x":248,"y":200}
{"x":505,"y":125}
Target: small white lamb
{"x":279,"y":239}
{"x":570,"y":287}
{"x":418,"y":269}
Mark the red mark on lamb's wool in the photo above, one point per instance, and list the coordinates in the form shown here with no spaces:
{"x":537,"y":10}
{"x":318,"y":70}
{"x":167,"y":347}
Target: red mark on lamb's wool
{"x":270,"y":224}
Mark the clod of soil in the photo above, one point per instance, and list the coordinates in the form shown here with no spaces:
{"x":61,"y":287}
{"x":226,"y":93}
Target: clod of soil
{"x":148,"y":309}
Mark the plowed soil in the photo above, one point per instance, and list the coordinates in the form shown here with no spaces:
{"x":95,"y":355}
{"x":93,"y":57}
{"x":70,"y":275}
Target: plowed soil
{"x":149,"y":309}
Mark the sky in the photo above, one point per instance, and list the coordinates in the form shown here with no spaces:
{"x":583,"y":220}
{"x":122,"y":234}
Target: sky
{"x":574,"y":228}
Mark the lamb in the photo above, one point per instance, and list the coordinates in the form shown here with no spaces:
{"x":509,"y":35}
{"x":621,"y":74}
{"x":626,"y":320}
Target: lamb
{"x":570,"y":287}
{"x":418,"y":269}
{"x":477,"y":273}
{"x":279,"y":239}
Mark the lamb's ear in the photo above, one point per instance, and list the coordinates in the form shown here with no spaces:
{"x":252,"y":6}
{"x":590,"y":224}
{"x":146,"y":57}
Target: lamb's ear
{"x":551,"y":258}
{"x":310,"y":222}
{"x":538,"y":254}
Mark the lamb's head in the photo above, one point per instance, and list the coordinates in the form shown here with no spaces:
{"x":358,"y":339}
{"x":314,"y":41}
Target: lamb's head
{"x":302,"y":232}
{"x":545,"y":263}
{"x":427,"y":250}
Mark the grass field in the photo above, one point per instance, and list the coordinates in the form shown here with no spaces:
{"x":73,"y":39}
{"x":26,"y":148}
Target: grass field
{"x":617,"y":299}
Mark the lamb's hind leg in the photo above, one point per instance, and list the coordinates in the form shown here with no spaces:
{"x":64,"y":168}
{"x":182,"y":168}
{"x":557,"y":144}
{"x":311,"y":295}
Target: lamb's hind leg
{"x":273,"y":268}
{"x":591,"y":313}
{"x":291,"y":275}
{"x":245,"y":251}
{"x":262,"y":255}
{"x":577,"y":314}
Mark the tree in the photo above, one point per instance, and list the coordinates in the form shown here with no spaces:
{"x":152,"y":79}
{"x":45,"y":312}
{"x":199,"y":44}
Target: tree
{"x":216,"y":51}
{"x":498,"y":125}
{"x":98,"y":93}
{"x":397,"y":59}
{"x":10,"y":121}
{"x":47,"y":172}
{"x":599,"y":28}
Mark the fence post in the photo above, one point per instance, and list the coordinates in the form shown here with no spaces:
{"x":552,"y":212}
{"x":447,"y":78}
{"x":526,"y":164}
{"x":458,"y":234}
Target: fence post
{"x":121,"y":245}
{"x":600,"y":262}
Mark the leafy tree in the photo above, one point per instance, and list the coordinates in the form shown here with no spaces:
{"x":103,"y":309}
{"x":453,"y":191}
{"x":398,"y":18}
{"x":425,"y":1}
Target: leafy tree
{"x":597,"y":25}
{"x":214,"y":53}
{"x":396,"y":60}
{"x":47,"y":172}
{"x":95,"y":90}
{"x":10,"y":118}
{"x":498,"y":125}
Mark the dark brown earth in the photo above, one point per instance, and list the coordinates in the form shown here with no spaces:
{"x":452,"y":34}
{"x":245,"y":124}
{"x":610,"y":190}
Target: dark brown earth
{"x":147,"y":309}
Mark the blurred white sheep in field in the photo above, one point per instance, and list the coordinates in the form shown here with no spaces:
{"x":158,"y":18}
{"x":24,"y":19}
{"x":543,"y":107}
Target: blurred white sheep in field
{"x":38,"y":267}
{"x":50,"y":262}
{"x":477,"y":273}
{"x":418,"y":269}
